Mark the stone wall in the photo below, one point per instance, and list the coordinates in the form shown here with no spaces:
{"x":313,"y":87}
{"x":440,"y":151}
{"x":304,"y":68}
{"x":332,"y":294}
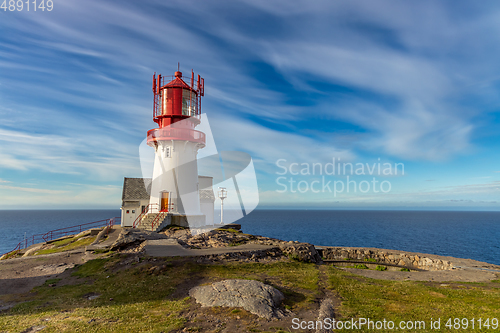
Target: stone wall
{"x":386,"y":257}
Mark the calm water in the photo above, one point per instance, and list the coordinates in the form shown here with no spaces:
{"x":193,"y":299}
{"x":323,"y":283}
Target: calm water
{"x":474,"y":235}
{"x":14,"y":223}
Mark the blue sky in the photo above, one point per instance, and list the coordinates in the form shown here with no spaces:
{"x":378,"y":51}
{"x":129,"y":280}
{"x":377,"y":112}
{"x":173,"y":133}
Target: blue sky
{"x":416,"y":83}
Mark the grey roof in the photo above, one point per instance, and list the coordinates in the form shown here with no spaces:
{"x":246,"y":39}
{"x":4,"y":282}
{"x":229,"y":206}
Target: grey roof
{"x":207,"y":195}
{"x":136,"y":188}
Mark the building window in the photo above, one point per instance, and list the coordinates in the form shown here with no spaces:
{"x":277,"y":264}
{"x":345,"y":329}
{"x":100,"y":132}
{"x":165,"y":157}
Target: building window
{"x":127,"y":211}
{"x":133,"y":211}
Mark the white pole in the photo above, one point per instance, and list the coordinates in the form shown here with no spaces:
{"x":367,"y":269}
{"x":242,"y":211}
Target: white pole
{"x":221,"y":211}
{"x":222,"y":196}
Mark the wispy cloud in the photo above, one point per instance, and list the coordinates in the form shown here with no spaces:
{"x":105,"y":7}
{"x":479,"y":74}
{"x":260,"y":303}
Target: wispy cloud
{"x":353,"y":79}
{"x":31,"y":189}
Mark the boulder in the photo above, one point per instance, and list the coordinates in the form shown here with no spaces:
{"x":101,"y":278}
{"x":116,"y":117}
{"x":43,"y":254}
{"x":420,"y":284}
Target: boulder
{"x":253,"y":296}
{"x":89,"y":232}
{"x":301,"y":251}
{"x":30,"y":251}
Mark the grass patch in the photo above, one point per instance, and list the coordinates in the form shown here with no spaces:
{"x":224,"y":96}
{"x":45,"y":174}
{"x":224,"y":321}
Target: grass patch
{"x":63,"y":242}
{"x":404,"y":269}
{"x":136,"y":298}
{"x":67,"y":245}
{"x":381,"y":268}
{"x":370,"y":260}
{"x":51,"y":281}
{"x":409,"y":300}
{"x":12,"y":254}
{"x":361,"y":266}
{"x":131,"y":300}
{"x":94,"y":267}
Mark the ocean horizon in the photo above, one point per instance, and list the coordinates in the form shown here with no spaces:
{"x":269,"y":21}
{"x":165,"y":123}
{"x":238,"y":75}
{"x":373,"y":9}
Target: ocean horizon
{"x":462,"y":234}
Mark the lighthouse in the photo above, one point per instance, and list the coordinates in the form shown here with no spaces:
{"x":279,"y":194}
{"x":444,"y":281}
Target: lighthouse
{"x":175,"y":194}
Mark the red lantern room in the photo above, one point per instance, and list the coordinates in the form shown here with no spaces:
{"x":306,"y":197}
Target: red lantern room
{"x":175,"y":101}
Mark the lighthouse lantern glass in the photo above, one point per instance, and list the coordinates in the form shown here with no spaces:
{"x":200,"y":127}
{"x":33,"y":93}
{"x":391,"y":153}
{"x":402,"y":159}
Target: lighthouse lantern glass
{"x":188,"y":102}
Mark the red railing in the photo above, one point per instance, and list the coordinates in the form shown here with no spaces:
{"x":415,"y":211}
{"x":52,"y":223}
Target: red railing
{"x":173,"y":133}
{"x":141,"y":215}
{"x":54,"y":234}
{"x":158,"y":218}
{"x":197,"y":91}
{"x":57,"y":233}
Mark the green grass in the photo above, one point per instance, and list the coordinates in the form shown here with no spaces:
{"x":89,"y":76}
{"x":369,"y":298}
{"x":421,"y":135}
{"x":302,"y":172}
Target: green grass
{"x":67,"y":245}
{"x":408,"y":300}
{"x":404,"y":269}
{"x":361,"y":266}
{"x":137,"y":300}
{"x":370,"y":260}
{"x":131,"y":300}
{"x":12,"y":254}
{"x":63,"y":242}
{"x":381,"y":268}
{"x":141,"y":299}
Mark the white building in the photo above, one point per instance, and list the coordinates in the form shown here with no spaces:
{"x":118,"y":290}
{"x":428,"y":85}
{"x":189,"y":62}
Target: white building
{"x":136,"y":199}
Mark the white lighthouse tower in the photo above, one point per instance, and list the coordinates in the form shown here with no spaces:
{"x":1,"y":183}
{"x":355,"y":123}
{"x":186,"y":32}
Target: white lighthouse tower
{"x":175,"y":188}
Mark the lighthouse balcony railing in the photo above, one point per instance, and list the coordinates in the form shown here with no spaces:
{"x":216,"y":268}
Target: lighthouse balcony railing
{"x":175,"y":133}
{"x":190,"y":82}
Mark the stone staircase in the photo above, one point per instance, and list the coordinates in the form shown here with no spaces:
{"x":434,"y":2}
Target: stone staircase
{"x":161,"y":223}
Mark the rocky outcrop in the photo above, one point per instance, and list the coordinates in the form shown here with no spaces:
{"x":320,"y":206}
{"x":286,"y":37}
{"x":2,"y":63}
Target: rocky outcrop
{"x":89,"y":232}
{"x":32,"y":250}
{"x":216,"y":238}
{"x":301,"y":252}
{"x":387,"y":257}
{"x":134,"y":237}
{"x":253,"y":296}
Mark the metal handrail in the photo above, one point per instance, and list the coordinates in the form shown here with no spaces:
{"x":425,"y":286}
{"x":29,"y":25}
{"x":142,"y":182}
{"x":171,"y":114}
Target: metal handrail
{"x":48,"y":236}
{"x":136,"y":222}
{"x":157,"y":219}
{"x":78,"y":228}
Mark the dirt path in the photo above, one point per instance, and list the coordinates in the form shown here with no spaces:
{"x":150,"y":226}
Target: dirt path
{"x":20,"y":275}
{"x":171,"y":248}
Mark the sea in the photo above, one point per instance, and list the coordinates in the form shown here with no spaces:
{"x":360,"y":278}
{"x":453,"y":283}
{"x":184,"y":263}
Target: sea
{"x":462,"y":234}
